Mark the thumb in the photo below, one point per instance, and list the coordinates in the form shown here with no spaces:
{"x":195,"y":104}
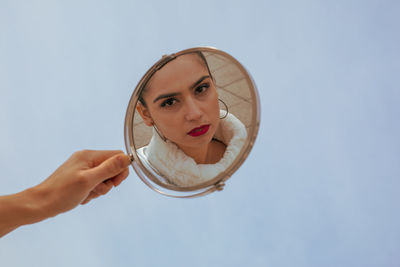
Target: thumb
{"x":109,"y":168}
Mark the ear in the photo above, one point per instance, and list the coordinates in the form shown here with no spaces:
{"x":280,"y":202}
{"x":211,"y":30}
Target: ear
{"x":145,"y":114}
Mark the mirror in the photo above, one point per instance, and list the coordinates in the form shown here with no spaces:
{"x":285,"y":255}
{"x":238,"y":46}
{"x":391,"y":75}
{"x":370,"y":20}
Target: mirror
{"x":191,"y":122}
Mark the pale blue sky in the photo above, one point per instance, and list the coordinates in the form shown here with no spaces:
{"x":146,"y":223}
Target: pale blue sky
{"x":321,"y":186}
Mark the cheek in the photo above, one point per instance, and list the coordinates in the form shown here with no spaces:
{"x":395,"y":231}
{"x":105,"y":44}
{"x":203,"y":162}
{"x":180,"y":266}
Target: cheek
{"x":215,"y":108}
{"x":170,"y":124}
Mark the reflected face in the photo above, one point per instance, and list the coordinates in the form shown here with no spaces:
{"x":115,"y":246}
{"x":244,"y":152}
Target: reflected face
{"x":182,"y":101}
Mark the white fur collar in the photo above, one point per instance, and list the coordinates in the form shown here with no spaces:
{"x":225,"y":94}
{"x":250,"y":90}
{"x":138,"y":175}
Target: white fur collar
{"x":181,"y":170}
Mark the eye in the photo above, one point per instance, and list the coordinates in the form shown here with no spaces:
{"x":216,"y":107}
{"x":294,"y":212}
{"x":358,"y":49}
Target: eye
{"x":168,"y":102}
{"x":201,"y":88}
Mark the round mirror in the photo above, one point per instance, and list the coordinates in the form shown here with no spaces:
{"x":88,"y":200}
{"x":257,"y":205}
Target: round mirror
{"x":191,"y":122}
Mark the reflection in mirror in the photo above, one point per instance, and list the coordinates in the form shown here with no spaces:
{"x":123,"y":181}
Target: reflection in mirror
{"x":192,"y":117}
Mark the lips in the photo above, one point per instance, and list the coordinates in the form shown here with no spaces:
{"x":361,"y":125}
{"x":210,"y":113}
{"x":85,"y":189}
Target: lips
{"x":199,"y":130}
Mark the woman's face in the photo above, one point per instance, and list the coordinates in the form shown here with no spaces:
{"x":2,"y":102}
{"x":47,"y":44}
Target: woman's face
{"x":182,"y":101}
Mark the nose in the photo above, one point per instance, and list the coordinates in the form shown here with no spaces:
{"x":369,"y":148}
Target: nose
{"x":193,"y":110}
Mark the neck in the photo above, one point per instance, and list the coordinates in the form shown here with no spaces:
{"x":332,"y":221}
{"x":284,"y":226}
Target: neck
{"x":199,"y":154}
{"x":209,"y":154}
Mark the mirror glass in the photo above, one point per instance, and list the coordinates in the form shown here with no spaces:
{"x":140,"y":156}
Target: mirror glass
{"x":192,"y":121}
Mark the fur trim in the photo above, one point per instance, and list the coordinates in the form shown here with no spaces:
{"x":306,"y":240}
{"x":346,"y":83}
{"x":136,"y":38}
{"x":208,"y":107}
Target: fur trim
{"x":180,"y":169}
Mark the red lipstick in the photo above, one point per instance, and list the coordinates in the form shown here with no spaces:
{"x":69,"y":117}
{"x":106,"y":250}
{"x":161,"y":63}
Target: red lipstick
{"x":199,"y":130}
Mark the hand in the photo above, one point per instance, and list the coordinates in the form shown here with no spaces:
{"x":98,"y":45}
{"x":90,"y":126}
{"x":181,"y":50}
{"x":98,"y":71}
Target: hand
{"x":84,"y":176}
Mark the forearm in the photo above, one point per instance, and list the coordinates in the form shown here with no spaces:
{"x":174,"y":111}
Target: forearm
{"x":84,"y":176}
{"x":20,"y":209}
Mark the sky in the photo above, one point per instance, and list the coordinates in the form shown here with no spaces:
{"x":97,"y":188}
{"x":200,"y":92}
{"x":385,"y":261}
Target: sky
{"x":320,"y":187}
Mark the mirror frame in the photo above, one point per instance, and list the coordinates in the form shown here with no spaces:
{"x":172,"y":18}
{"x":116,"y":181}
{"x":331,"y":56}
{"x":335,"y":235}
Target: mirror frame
{"x":215,"y":184}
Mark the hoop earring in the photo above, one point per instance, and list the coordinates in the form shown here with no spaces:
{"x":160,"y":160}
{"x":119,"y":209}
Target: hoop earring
{"x":159,"y":133}
{"x":226,"y":108}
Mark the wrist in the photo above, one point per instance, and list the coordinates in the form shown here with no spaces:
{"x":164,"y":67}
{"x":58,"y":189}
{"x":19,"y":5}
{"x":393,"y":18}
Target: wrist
{"x":20,"y":209}
{"x":30,"y":206}
{"x":35,"y":205}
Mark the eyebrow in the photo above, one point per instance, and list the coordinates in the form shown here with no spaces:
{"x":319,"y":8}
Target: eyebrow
{"x":175,"y":94}
{"x":200,"y":80}
{"x":165,"y":96}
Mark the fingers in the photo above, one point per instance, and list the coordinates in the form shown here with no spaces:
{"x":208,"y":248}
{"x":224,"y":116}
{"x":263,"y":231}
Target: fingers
{"x":109,"y":168}
{"x":96,"y":157}
{"x":99,"y":190}
{"x":106,"y":169}
{"x":120,"y":177}
{"x":92,"y":195}
{"x":103,"y":188}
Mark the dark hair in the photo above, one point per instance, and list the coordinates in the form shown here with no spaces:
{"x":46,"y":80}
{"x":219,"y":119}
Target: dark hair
{"x":165,"y":62}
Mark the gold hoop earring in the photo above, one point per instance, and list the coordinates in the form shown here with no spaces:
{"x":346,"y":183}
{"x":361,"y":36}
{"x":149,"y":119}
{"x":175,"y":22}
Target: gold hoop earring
{"x":226,"y":108}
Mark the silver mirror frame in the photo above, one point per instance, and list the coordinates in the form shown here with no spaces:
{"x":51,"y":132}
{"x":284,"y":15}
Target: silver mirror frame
{"x":149,"y":177}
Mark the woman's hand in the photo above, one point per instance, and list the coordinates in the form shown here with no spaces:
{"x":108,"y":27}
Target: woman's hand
{"x":84,"y":176}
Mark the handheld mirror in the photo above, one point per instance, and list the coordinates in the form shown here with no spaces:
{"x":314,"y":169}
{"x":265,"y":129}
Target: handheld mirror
{"x":191,"y":122}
